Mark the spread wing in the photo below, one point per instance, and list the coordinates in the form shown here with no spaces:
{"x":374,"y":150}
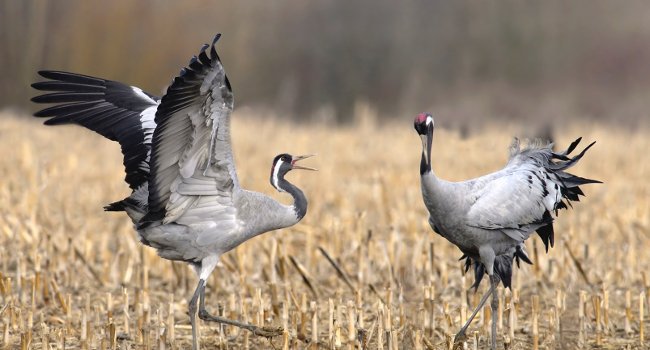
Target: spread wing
{"x":116,"y":111}
{"x":192,"y":169}
{"x":528,"y":190}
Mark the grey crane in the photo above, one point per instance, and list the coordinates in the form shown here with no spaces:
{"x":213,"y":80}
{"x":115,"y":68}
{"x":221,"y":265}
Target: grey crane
{"x":490,"y":217}
{"x":186,"y":201}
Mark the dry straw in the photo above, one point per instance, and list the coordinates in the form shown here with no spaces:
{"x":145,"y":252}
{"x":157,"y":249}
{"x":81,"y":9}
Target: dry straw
{"x":363,"y":270}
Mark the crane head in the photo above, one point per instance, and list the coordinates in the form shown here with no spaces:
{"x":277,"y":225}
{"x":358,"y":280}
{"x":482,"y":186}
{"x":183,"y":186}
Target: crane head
{"x":424,"y":125}
{"x":284,"y":163}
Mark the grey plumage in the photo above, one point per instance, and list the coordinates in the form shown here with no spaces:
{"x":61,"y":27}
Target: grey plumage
{"x":490,"y":217}
{"x":186,"y":201}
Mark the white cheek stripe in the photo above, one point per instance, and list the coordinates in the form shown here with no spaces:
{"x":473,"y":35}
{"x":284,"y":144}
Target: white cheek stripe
{"x":429,"y":120}
{"x":276,"y":170}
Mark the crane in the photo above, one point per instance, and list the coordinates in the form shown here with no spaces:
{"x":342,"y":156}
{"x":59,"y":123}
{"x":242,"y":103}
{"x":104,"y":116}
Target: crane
{"x":186,"y":201}
{"x":491,"y":216}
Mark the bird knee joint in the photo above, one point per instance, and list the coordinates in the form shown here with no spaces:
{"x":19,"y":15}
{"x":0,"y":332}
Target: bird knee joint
{"x":204,"y":315}
{"x":495,"y":303}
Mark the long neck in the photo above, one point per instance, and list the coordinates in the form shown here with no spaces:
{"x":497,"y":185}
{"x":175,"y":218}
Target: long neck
{"x":425,"y":161}
{"x":430,"y":183}
{"x":424,"y":166}
{"x":433,"y":192}
{"x":299,"y":199}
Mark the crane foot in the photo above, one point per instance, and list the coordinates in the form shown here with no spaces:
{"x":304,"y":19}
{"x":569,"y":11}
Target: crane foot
{"x":266,"y":332}
{"x":460,"y":336}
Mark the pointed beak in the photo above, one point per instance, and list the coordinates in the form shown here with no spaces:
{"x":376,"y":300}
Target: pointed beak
{"x":427,"y":139}
{"x":297,"y":158}
{"x":425,"y":148}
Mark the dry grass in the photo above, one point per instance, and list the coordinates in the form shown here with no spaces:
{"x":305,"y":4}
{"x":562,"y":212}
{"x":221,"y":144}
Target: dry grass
{"x":74,"y":276}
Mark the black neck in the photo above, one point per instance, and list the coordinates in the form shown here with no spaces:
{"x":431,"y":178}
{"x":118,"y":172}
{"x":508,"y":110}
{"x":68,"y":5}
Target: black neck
{"x":424,"y":166}
{"x":299,"y":199}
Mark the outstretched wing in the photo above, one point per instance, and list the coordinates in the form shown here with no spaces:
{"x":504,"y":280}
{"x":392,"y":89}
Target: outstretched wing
{"x":530,"y":188}
{"x":116,"y":111}
{"x":191,"y":155}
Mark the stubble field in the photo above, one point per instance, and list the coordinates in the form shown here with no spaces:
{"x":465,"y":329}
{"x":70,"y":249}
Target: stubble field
{"x":73,"y":276}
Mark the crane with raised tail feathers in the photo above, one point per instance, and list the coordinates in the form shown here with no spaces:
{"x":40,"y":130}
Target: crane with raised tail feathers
{"x":490,"y":217}
{"x":186,"y":201}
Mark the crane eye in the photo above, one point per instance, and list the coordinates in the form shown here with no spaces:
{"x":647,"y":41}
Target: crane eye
{"x":286,"y":158}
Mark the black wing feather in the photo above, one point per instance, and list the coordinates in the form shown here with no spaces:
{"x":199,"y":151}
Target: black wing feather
{"x":112,"y":109}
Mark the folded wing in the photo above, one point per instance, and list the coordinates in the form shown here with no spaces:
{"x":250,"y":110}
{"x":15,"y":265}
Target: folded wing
{"x":515,"y":203}
{"x":531,"y":187}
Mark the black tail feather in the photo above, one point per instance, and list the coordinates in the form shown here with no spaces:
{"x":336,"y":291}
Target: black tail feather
{"x":577,"y":191}
{"x":546,"y":232}
{"x":520,"y":254}
{"x":123,"y":205}
{"x":115,"y":206}
{"x":569,"y":183}
{"x":569,"y":163}
{"x":479,"y":272}
{"x":573,"y":181}
{"x":502,"y":267}
{"x":573,"y":146}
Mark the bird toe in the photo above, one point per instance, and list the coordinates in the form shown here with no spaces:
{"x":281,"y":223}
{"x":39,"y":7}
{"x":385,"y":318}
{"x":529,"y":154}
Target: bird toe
{"x":268,"y":332}
{"x":460,"y":337}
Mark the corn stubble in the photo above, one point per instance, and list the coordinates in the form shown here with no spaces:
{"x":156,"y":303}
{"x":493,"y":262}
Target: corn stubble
{"x":362,"y":270}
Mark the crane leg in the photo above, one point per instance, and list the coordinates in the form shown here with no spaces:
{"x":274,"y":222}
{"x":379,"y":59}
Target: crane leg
{"x":192,"y":311}
{"x":494,"y":280}
{"x":461,"y":336}
{"x":267,"y":332}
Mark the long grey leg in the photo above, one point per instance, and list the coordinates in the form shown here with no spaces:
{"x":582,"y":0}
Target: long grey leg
{"x":200,"y":288}
{"x":460,"y":336}
{"x":494,"y":280}
{"x":267,"y":332}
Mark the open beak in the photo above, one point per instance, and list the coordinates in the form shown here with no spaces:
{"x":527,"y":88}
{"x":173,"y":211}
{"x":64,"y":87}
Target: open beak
{"x":297,"y":158}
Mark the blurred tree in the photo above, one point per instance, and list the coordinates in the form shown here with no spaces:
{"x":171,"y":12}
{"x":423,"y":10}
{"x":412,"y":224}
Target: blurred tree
{"x":508,"y":59}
